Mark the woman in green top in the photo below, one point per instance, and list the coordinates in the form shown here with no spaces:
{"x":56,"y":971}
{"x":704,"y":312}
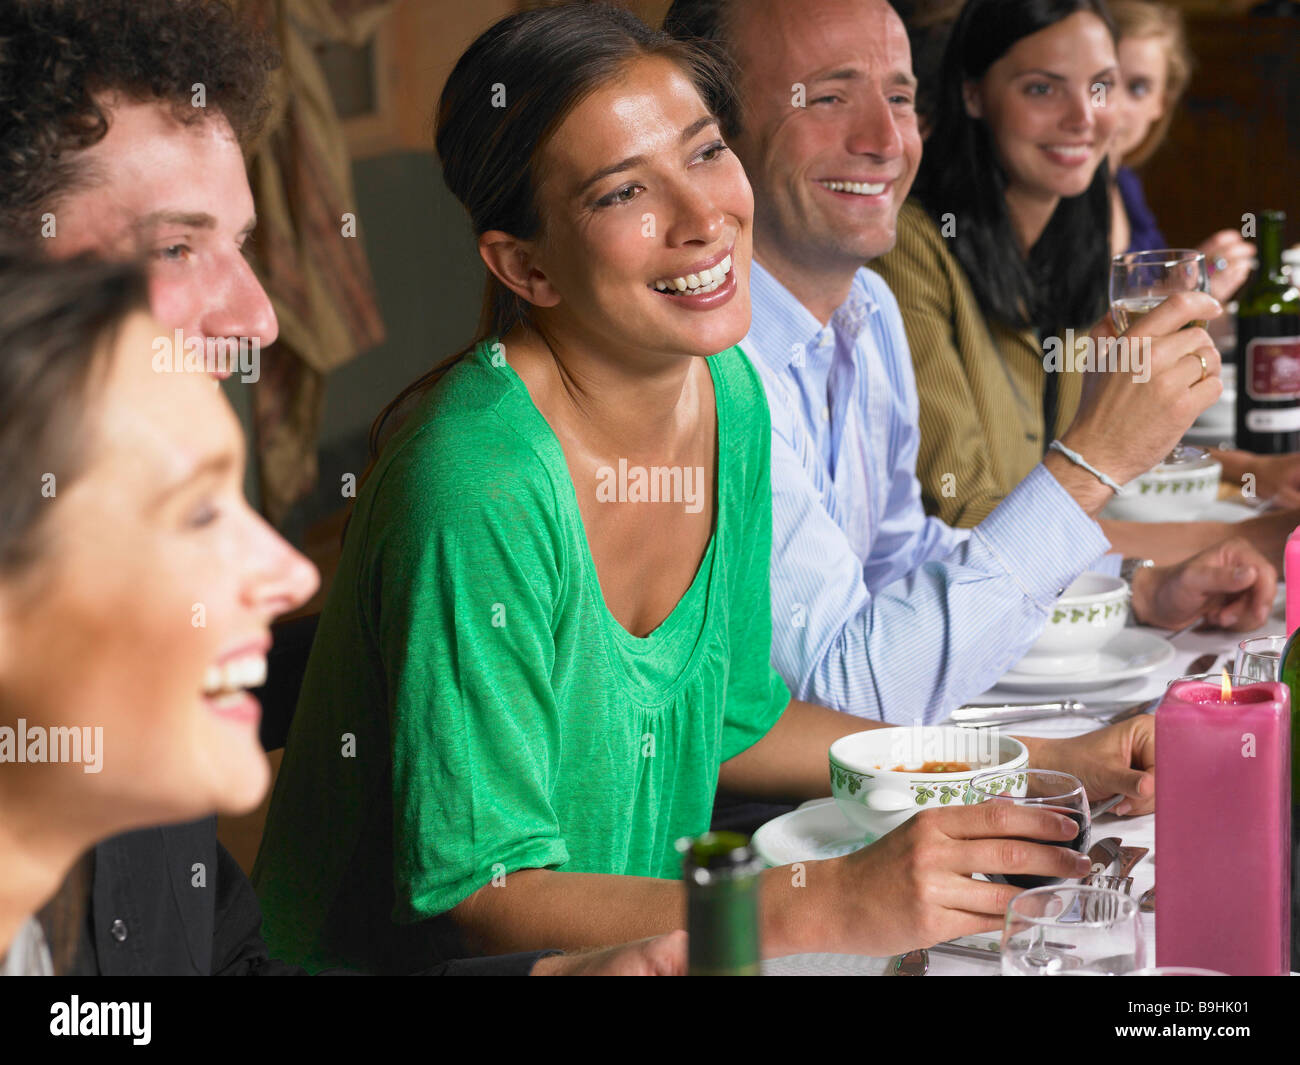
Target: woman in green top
{"x":548,"y":640}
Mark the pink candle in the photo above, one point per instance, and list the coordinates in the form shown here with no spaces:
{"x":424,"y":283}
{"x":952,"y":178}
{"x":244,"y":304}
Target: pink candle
{"x":1223,"y":828}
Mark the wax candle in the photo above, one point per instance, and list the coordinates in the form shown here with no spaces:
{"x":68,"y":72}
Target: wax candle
{"x":1223,"y":827}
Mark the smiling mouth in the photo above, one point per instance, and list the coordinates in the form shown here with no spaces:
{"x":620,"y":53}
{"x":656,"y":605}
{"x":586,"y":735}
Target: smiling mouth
{"x":226,"y":686}
{"x":855,"y":188}
{"x":697,"y":284}
{"x":1074,"y":153}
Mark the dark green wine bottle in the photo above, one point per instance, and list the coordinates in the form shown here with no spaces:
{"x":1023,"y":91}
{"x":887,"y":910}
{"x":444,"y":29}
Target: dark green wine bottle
{"x":1268,"y":350}
{"x":722,"y":876}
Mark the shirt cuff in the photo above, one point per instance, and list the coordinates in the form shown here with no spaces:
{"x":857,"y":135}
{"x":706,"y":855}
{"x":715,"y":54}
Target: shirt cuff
{"x":1108,"y":565}
{"x":1042,"y":537}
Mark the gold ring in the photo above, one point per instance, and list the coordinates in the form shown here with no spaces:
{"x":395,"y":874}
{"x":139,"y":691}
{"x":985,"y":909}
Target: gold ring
{"x":1205,"y":367}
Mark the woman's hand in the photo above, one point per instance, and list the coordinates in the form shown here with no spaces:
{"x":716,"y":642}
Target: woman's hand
{"x":1235,"y":253}
{"x":913,"y":888}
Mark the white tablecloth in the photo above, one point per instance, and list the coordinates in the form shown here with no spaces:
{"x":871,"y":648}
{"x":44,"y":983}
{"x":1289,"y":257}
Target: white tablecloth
{"x":1133,"y":831}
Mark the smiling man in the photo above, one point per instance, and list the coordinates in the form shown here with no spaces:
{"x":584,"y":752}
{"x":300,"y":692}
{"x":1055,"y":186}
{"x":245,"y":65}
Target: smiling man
{"x":112,"y":155}
{"x":878,"y":609}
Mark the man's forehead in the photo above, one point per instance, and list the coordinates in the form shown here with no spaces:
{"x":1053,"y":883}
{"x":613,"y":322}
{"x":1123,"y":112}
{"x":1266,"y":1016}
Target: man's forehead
{"x":149,"y":163}
{"x":818,"y":38}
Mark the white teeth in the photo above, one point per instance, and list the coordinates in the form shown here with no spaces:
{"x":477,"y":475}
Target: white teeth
{"x":236,"y":676}
{"x":858,"y":188}
{"x":697,"y":283}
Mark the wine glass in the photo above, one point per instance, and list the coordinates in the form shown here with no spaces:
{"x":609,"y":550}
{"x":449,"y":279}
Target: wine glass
{"x":1142,"y":280}
{"x":1260,"y":657}
{"x":1044,"y":789}
{"x":1072,"y":931}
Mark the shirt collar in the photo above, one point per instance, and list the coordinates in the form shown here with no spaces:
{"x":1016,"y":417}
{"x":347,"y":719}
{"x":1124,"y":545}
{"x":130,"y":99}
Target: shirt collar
{"x":782,"y":326}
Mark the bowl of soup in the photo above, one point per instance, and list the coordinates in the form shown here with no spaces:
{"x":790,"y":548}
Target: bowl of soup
{"x":881,"y":777}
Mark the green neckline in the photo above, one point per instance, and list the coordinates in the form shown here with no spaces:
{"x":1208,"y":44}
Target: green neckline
{"x":670,"y":625}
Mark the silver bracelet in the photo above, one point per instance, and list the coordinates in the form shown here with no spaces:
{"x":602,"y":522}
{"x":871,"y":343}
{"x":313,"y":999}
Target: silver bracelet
{"x":1084,"y":464}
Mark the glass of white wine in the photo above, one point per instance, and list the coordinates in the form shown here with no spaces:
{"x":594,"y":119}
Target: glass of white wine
{"x":1142,"y":280}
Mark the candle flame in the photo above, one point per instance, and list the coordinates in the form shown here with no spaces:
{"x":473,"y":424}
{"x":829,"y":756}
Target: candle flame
{"x":1227,"y":686}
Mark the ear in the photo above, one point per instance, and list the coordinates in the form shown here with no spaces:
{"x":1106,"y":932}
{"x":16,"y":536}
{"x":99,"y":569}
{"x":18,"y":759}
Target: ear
{"x":513,"y":262}
{"x":970,"y":95}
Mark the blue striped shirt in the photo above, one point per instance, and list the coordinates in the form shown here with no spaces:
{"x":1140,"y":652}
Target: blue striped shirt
{"x":878,"y":609}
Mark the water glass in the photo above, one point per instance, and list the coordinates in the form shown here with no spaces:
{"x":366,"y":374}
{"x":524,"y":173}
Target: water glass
{"x":1072,"y":931}
{"x":1260,"y":657}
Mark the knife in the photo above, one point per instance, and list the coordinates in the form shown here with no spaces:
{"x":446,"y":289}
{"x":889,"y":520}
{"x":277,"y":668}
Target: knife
{"x":976,"y":716}
{"x":1201,"y":664}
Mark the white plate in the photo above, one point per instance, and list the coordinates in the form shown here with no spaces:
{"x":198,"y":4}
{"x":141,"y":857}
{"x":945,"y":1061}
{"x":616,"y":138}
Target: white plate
{"x":1130,"y":653}
{"x":814,"y":831}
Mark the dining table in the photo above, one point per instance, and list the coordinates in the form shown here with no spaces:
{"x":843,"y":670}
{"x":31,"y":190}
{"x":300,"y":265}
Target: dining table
{"x":1132,"y":831}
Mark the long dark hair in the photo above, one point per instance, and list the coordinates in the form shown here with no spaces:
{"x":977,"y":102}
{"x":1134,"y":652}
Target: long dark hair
{"x":56,"y":321}
{"x":1062,"y":282}
{"x":504,"y":99}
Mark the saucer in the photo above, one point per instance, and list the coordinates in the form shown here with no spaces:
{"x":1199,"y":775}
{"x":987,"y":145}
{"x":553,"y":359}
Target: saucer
{"x":816,"y":830}
{"x":1130,"y":653}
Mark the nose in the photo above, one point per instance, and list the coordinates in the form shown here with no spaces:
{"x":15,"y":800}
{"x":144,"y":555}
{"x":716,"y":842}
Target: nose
{"x":874,"y":132}
{"x":697,"y":219}
{"x":1081,"y":108}
{"x":236,"y":305}
{"x":279,"y":578}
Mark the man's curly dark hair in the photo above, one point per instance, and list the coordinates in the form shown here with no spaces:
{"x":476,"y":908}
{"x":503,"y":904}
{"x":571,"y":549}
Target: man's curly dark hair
{"x":57,"y":56}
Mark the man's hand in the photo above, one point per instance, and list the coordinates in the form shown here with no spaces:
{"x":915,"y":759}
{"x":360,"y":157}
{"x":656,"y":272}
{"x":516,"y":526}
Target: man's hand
{"x":1230,"y":584}
{"x":912,"y":888}
{"x":1125,"y":426}
{"x":1119,"y":758}
{"x":659,"y":956}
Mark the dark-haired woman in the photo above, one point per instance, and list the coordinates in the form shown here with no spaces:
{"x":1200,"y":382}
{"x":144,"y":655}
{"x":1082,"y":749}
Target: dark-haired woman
{"x":1004,"y":250}
{"x":549,"y":639}
{"x":124,"y":515}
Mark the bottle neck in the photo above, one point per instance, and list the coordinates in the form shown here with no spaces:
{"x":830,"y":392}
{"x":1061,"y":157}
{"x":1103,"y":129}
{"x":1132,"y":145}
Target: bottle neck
{"x":1270,"y":244}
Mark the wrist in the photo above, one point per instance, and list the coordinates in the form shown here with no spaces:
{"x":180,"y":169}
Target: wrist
{"x":1088,"y":492}
{"x":792,"y":917}
{"x":1142,"y":589}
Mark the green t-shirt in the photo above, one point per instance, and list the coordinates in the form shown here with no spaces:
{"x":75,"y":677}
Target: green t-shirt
{"x":471,"y":707}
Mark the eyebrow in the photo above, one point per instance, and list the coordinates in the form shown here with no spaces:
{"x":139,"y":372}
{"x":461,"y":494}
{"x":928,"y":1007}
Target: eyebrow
{"x":1061,"y":77}
{"x":634,"y":160}
{"x":212,"y":466}
{"x":189,"y":219}
{"x":898,"y":77}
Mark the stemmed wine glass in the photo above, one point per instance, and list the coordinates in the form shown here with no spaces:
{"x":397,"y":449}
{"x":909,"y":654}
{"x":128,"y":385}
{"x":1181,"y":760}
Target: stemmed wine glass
{"x":1142,"y":280}
{"x":1044,"y":789}
{"x":1072,"y":931}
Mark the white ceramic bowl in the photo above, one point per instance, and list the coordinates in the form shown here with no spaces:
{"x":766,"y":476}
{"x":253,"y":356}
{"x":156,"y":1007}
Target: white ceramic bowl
{"x":877,"y":798}
{"x":1168,"y":493}
{"x":1093,"y":609}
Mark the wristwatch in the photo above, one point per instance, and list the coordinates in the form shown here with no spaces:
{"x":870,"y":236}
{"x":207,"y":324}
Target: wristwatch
{"x":1130,"y":566}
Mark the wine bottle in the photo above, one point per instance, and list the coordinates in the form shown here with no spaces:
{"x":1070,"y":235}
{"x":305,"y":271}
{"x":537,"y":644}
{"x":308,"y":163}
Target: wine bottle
{"x":1268,"y":350}
{"x":722,"y":876}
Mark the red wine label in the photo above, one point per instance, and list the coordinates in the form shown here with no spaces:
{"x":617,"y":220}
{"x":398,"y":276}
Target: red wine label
{"x":1273,"y":368}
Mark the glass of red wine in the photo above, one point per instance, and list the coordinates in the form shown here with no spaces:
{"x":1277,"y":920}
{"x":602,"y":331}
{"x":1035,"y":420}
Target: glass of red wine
{"x":1045,"y":789}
